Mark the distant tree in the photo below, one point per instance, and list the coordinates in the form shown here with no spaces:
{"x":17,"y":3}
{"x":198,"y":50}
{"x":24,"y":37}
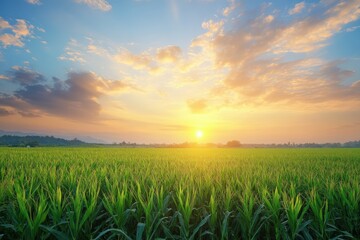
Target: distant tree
{"x":33,"y":144}
{"x":233,"y":143}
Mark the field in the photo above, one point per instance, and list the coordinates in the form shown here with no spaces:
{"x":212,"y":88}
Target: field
{"x":105,"y":193}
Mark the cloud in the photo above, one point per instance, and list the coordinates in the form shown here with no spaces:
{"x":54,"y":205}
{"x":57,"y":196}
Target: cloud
{"x":269,"y":19}
{"x":139,"y":62}
{"x":168,"y":54}
{"x":197,"y":105}
{"x":24,"y":76}
{"x":35,"y":2}
{"x":310,"y":33}
{"x":95,"y":49}
{"x":253,"y":51}
{"x":75,"y":98}
{"x":212,"y":26}
{"x":3,"y":77}
{"x":226,"y":12}
{"x":351,"y":29}
{"x":4,"y":24}
{"x":16,"y":105}
{"x":297,"y":8}
{"x":102,"y":5}
{"x":22,"y":28}
{"x":4,"y":112}
{"x":11,"y":40}
{"x":72,"y":52}
{"x":18,"y":32}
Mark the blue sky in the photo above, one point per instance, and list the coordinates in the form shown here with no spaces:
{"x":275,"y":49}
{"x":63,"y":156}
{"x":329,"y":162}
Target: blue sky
{"x":164,"y":69}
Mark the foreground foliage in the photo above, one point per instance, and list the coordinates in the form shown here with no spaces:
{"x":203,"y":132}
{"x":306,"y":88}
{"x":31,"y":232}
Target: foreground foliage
{"x":103,"y":193}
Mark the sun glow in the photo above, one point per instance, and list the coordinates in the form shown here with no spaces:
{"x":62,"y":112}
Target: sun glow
{"x":199,"y":134}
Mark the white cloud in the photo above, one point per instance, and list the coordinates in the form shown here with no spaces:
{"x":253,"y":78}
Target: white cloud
{"x":35,"y":2}
{"x":72,"y":52}
{"x":351,"y":29}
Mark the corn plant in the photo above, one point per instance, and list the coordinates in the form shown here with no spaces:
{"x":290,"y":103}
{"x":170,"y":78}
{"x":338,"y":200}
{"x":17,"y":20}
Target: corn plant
{"x":124,"y":193}
{"x":250,"y":217}
{"x":273,"y":208}
{"x":29,"y":212}
{"x":295,"y":222}
{"x":82,"y":211}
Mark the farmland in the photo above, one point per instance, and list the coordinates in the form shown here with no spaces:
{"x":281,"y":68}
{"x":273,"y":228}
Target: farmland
{"x":123,"y":193}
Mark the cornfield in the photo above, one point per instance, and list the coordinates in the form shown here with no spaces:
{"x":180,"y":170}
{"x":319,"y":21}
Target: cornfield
{"x":107,"y":193}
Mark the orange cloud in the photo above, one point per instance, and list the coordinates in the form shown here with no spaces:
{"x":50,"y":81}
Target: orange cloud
{"x":197,"y":105}
{"x":141,"y":61}
{"x":102,"y":5}
{"x":226,"y":12}
{"x":19,"y":31}
{"x":297,"y":8}
{"x":255,"y":55}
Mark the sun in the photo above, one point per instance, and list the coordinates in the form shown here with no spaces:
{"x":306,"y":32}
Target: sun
{"x":199,"y":134}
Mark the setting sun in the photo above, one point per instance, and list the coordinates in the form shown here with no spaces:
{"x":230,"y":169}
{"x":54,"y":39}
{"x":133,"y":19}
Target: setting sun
{"x":199,"y":134}
{"x":189,"y":71}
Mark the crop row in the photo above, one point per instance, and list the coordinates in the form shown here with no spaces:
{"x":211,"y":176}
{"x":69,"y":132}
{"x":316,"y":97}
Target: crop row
{"x":79,"y":193}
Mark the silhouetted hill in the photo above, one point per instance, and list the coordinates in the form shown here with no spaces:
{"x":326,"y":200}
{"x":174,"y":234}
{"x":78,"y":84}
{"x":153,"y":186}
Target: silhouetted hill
{"x":34,"y":141}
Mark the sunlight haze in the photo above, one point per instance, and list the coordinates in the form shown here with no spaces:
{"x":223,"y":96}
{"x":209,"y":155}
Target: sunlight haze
{"x":158,"y":71}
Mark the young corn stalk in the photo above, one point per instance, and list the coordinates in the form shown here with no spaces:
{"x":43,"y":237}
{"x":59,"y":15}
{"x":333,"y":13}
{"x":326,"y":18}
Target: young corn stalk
{"x":349,"y":199}
{"x":225,"y":225}
{"x":185,"y":205}
{"x":57,"y":205}
{"x":153,"y":218}
{"x":162,"y":201}
{"x":117,"y":203}
{"x":249,"y":218}
{"x":213,"y":211}
{"x":321,"y":214}
{"x":295,"y":211}
{"x":31,"y":212}
{"x":273,"y":209}
{"x":82,"y":211}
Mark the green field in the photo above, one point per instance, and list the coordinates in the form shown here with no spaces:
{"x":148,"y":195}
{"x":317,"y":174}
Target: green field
{"x":106,"y":193}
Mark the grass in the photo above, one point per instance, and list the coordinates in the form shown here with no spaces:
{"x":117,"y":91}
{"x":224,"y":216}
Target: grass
{"x":99,"y":193}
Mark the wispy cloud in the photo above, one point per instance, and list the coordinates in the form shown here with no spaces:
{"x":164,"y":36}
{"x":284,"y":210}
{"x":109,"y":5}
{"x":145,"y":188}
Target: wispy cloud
{"x":3,"y":77}
{"x":137,"y":61}
{"x":4,"y":112}
{"x":102,"y":5}
{"x":351,"y":29}
{"x":226,"y":12}
{"x":297,"y":8}
{"x":35,"y":2}
{"x":72,"y":52}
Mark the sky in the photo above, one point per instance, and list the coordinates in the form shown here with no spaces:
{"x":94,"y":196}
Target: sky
{"x":159,"y":71}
